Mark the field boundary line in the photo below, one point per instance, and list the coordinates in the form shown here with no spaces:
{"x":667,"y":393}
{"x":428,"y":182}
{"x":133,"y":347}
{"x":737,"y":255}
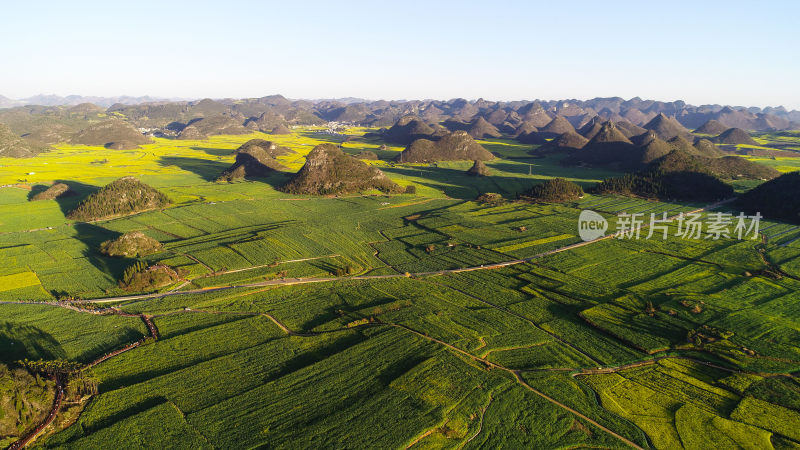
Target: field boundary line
{"x":293,"y":281}
{"x":480,"y":424}
{"x":54,"y":410}
{"x":521,"y":381}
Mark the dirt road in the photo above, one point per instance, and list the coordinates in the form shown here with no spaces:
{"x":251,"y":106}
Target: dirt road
{"x":294,"y":281}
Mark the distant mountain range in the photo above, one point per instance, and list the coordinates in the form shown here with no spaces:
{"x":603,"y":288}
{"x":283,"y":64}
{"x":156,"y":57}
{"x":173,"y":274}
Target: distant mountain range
{"x":57,"y":100}
{"x":480,"y":117}
{"x":613,"y":105}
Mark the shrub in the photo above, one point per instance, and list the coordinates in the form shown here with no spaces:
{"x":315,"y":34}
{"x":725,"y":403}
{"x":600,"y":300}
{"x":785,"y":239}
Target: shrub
{"x":556,"y":190}
{"x":139,"y":277}
{"x":131,"y":245}
{"x":491,"y":199}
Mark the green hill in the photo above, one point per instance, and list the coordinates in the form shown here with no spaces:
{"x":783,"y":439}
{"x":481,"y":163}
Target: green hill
{"x":330,"y":171}
{"x":131,"y":245}
{"x":108,"y":133}
{"x":676,"y":176}
{"x":629,"y":129}
{"x":480,"y":128}
{"x":775,"y":199}
{"x":557,"y":126}
{"x":255,"y":158}
{"x":735,"y":167}
{"x":13,"y":146}
{"x":727,"y":167}
{"x":652,"y":147}
{"x":735,"y":136}
{"x":525,"y":128}
{"x":120,"y":197}
{"x":49,"y":133}
{"x":281,"y":129}
{"x":212,"y":126}
{"x":681,"y":144}
{"x":408,"y":129}
{"x":591,"y":128}
{"x":666,"y":127}
{"x":707,"y":148}
{"x":711,"y":127}
{"x":368,"y":155}
{"x":608,"y":147}
{"x":456,"y":146}
{"x":569,"y":141}
{"x":266,"y":122}
{"x":531,"y":138}
{"x":86,"y":108}
{"x":478,"y":169}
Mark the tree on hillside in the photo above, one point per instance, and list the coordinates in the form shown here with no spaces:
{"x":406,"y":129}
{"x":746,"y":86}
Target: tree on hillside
{"x":556,"y":190}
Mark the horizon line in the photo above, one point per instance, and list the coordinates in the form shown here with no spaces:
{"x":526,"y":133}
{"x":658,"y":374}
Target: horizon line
{"x":367,"y":100}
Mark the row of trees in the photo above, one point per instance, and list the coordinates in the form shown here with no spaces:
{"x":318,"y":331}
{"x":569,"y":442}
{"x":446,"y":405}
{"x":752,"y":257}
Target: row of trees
{"x":77,"y":379}
{"x":51,"y":367}
{"x":685,"y":186}
{"x":25,"y":399}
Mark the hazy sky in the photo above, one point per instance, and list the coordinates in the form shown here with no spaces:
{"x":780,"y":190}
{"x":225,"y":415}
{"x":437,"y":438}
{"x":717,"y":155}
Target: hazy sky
{"x":728,"y":52}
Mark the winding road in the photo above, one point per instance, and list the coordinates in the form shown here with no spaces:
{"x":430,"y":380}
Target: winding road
{"x":47,"y":421}
{"x":295,"y":281}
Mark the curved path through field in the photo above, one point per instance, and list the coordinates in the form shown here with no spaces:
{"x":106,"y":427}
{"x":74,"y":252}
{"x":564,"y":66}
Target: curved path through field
{"x":293,"y":281}
{"x":54,"y":410}
{"x":521,"y":381}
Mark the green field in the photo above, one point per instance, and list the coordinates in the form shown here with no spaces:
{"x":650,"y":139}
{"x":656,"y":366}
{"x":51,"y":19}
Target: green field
{"x":398,"y":353}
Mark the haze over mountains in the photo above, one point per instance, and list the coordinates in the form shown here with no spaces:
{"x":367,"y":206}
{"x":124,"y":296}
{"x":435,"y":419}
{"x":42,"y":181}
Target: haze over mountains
{"x":385,"y":113}
{"x":57,"y":100}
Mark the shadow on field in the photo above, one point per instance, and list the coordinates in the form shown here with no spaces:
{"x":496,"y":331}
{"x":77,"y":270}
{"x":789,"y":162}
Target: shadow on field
{"x":325,"y":265}
{"x":309,"y":358}
{"x":548,"y":168}
{"x":509,"y":149}
{"x":92,"y":236}
{"x":274,"y":180}
{"x":67,"y":202}
{"x":333,"y":139}
{"x":20,"y":341}
{"x":107,"y":421}
{"x":236,"y":235}
{"x":457,"y":184}
{"x":326,"y":315}
{"x":208,"y":170}
{"x":215,"y":151}
{"x":383,"y":155}
{"x":36,"y":189}
{"x":176,"y":126}
{"x":399,"y":368}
